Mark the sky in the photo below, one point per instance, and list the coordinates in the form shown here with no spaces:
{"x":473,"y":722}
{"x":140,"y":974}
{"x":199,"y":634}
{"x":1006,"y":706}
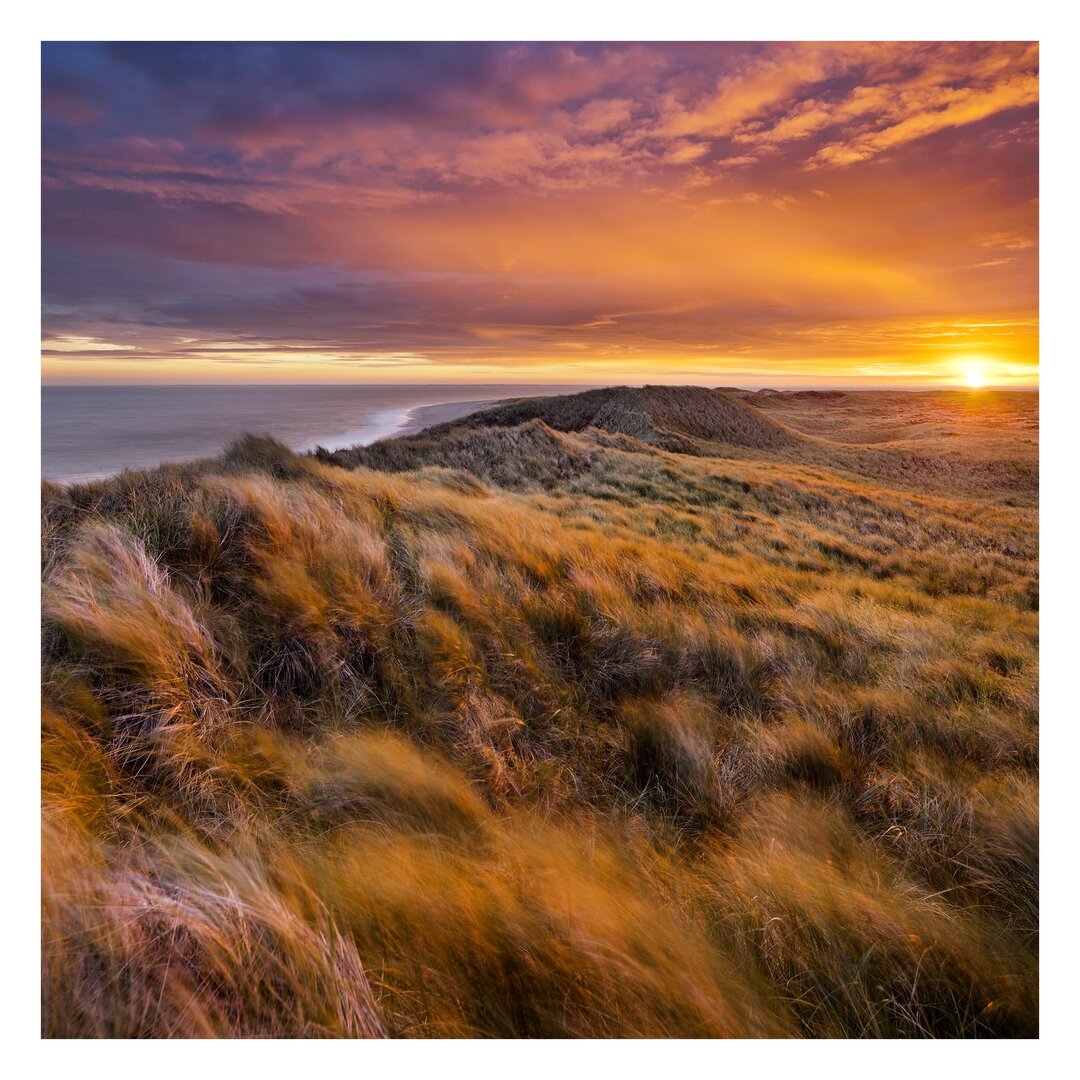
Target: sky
{"x":771,"y":214}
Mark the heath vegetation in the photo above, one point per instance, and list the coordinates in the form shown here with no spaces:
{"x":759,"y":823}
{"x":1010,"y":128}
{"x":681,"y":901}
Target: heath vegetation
{"x":645,"y":713}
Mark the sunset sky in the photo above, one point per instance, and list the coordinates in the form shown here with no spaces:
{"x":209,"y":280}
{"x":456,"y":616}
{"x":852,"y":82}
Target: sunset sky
{"x":772,"y":214}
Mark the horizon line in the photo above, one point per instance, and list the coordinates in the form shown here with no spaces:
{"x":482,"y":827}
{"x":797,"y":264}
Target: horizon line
{"x":847,"y":387}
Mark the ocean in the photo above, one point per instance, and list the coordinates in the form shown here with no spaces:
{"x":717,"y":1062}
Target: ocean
{"x":89,"y":432}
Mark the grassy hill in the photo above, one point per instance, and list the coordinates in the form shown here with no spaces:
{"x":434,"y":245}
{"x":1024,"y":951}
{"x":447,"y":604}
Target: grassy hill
{"x":631,"y":713}
{"x":923,"y":443}
{"x":665,"y":416}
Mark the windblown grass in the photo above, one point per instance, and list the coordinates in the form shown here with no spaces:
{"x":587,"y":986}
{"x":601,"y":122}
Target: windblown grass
{"x":536,"y":733}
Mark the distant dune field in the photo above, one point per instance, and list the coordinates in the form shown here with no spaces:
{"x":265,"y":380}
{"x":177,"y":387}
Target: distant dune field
{"x":636,"y":712}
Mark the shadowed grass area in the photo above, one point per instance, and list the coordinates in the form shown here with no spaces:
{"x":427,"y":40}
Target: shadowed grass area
{"x":516,"y":731}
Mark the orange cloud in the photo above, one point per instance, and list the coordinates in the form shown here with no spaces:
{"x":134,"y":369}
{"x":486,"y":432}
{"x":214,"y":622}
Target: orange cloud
{"x":575,"y":209}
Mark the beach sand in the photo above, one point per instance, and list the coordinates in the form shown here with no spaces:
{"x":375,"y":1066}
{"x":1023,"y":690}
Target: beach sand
{"x":425,"y":416}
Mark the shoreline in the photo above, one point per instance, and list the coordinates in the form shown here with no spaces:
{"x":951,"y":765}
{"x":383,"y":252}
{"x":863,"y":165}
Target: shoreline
{"x":420,"y":417}
{"x":406,"y":421}
{"x":384,"y":424}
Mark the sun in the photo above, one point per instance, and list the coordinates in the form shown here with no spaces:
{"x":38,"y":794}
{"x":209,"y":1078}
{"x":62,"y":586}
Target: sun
{"x":974,"y":374}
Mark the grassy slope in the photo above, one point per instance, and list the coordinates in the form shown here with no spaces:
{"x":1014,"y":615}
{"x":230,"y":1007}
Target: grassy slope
{"x":943,"y":443}
{"x":529,"y":732}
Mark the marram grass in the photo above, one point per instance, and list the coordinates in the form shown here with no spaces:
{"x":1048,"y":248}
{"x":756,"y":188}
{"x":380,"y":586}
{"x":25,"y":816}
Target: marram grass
{"x":528,"y":732}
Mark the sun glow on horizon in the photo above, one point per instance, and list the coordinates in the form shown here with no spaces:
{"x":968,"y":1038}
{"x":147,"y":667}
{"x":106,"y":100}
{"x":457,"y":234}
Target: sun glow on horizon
{"x":974,"y":374}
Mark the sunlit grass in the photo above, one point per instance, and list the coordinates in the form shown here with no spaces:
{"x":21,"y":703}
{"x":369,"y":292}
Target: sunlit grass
{"x":553,"y":735}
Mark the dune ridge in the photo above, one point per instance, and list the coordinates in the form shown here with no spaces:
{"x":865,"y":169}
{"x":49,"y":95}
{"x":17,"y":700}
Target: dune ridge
{"x":665,"y":416}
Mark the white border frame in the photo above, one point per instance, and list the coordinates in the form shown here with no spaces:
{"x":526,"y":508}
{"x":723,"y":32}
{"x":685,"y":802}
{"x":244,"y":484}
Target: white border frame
{"x":553,"y":20}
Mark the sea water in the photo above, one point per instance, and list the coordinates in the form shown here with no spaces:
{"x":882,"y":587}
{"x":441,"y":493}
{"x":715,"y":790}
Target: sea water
{"x":88,"y":432}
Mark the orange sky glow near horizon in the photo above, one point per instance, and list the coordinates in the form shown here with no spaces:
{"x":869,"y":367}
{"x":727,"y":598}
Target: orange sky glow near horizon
{"x":758,"y":215}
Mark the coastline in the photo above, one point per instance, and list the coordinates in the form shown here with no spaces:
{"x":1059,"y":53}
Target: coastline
{"x":92,"y":433}
{"x":382,"y":424}
{"x":396,"y":423}
{"x":420,"y":417}
{"x":388,"y":422}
